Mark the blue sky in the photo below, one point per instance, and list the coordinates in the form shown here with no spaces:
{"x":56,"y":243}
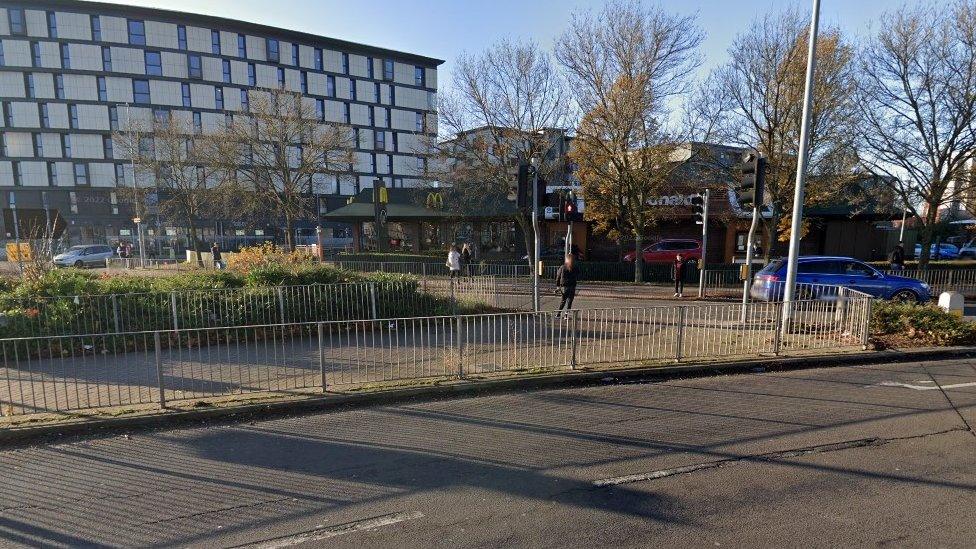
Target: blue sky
{"x":443,"y":28}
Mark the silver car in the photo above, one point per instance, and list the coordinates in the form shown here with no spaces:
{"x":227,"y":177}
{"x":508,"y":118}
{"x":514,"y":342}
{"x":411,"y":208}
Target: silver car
{"x":92,"y":255}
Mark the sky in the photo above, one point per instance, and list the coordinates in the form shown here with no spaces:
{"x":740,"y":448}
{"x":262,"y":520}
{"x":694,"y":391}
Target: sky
{"x":445,"y":28}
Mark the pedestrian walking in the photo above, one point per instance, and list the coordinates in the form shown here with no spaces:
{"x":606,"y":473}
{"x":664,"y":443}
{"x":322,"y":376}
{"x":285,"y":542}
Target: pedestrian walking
{"x":678,"y":270}
{"x":897,"y":258}
{"x":218,"y":259}
{"x":566,"y":278}
{"x":465,"y":260}
{"x":454,"y":261}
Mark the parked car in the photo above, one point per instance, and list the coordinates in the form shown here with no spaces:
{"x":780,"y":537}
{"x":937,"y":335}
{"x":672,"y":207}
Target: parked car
{"x":944,"y":251}
{"x":968,"y":250}
{"x":92,"y":255}
{"x":820,"y":274}
{"x":665,"y":251}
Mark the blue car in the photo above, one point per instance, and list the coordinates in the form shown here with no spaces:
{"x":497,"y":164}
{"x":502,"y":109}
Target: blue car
{"x":943,"y":251}
{"x":817,"y":275}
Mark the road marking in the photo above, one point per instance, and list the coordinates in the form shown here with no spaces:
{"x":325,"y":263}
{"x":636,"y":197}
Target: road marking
{"x":925,"y":387}
{"x":334,"y":531}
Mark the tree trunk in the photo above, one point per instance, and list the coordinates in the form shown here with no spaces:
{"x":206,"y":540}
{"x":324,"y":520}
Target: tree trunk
{"x":527,"y":236}
{"x":289,"y":236}
{"x":195,"y":242}
{"x":638,"y":257}
{"x":925,"y":236}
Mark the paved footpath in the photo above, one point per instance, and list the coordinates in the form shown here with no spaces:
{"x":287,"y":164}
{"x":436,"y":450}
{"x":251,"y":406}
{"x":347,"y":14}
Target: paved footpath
{"x":868,"y":455}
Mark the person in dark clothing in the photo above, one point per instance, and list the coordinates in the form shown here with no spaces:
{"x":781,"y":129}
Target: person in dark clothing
{"x":679,"y":275}
{"x":897,"y":258}
{"x":217,"y":258}
{"x":566,"y":278}
{"x":465,"y":260}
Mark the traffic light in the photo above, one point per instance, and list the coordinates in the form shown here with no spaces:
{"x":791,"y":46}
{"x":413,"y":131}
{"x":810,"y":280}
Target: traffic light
{"x":752,"y":180}
{"x":523,"y":196}
{"x":698,"y":205}
{"x":572,"y":208}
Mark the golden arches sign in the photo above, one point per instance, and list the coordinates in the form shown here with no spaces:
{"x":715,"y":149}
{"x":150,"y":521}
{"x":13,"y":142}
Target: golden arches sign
{"x":435,"y":201}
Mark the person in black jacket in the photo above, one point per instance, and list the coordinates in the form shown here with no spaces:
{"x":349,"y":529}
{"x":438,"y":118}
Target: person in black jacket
{"x":679,"y":275}
{"x":897,"y":258}
{"x":566,"y":278}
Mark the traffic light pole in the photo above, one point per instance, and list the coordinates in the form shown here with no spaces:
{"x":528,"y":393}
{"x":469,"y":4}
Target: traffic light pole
{"x":536,"y":262}
{"x":747,"y":271}
{"x":704,"y":252}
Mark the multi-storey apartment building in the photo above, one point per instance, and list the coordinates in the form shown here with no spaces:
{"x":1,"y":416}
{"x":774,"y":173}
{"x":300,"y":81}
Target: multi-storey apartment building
{"x":73,"y":72}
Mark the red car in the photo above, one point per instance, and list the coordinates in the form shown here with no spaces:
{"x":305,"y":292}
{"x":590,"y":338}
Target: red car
{"x":666,"y":250}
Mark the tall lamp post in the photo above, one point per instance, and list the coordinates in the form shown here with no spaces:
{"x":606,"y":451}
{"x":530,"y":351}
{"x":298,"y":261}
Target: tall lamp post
{"x":536,"y":245}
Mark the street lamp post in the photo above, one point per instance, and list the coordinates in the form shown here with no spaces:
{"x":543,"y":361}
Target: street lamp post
{"x":801,"y":172}
{"x":142,"y":244}
{"x":536,"y":246}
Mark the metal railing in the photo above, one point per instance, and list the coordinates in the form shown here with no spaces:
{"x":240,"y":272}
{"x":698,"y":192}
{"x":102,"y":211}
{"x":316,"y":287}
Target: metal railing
{"x":943,"y":280}
{"x":225,"y":307}
{"x":77,"y":372}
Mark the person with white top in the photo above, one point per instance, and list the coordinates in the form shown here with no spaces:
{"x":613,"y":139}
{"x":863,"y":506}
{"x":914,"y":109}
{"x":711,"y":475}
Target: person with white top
{"x":454,"y":262}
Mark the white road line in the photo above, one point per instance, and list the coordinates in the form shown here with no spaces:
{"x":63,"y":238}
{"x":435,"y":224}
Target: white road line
{"x":653,"y":475}
{"x":924,"y":387}
{"x":334,"y":531}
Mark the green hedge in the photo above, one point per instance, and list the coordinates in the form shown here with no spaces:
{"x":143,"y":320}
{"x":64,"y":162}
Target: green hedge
{"x":907,"y":324}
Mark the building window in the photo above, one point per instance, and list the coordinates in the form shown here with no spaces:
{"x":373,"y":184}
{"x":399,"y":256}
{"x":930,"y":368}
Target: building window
{"x":154,"y":63}
{"x":73,"y":116}
{"x":29,"y":84}
{"x":371,"y":115}
{"x":52,"y":174}
{"x":16,"y":169}
{"x":420,"y":77}
{"x":228,"y":120}
{"x":392,"y":94}
{"x":194,"y":66}
{"x":251,"y":76}
{"x":66,"y":145}
{"x":35,"y":54}
{"x":318,"y":59}
{"x":181,"y":36}
{"x":161,"y":116}
{"x":346,"y":114}
{"x":241,"y":46}
{"x":185,"y":89}
{"x":113,"y":118}
{"x":396,"y":142}
{"x":197,"y":122}
{"x":330,"y":85}
{"x":379,"y":140}
{"x":420,"y":122}
{"x":119,"y":173}
{"x":389,"y":117}
{"x":226,"y":67}
{"x":106,"y":59}
{"x":96,"y":25}
{"x":140,"y":91}
{"x":2,"y":62}
{"x":108,"y":147}
{"x":345,"y":63}
{"x":421,"y":164}
{"x":102,"y":88}
{"x":352,"y":89}
{"x":245,"y":101}
{"x":16,"y":19}
{"x":137,"y":33}
{"x":389,"y":167}
{"x":387,"y":69}
{"x":45,"y":120}
{"x":81,"y":174}
{"x":281,"y":77}
{"x":369,"y":68}
{"x":8,"y":115}
{"x":320,"y":110}
{"x":219,"y":97}
{"x":304,"y":79}
{"x":376,"y":92}
{"x":38,"y":145}
{"x":215,"y":42}
{"x":372,"y":162}
{"x":52,"y":25}
{"x":294,"y":54}
{"x":273,"y":54}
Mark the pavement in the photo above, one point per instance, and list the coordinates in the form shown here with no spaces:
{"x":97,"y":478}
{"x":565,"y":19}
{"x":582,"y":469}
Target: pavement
{"x":878,"y":454}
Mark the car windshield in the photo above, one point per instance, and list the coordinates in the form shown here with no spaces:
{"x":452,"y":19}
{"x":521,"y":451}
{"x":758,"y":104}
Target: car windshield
{"x":773,"y":266}
{"x":76,"y":249}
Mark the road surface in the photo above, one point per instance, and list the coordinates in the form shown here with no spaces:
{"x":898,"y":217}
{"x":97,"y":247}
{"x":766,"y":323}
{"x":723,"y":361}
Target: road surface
{"x":869,"y":455}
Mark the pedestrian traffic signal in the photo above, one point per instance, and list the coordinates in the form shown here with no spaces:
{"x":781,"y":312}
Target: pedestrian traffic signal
{"x":698,"y":205}
{"x":752,"y":180}
{"x":523,"y":196}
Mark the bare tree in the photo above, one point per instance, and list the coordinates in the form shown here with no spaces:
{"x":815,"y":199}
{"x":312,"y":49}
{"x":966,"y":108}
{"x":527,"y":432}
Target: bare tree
{"x":500,"y":112}
{"x":625,"y":64}
{"x":917,"y":99}
{"x":281,"y":152}
{"x":173,"y":160}
{"x":762,"y":89}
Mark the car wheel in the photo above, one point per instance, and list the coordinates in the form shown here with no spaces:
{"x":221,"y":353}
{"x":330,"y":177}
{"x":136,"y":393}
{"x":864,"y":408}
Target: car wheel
{"x":905,"y":296}
{"x":79,"y":264}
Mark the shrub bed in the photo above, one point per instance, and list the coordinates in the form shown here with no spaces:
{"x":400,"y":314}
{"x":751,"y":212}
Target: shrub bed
{"x":909,"y":325}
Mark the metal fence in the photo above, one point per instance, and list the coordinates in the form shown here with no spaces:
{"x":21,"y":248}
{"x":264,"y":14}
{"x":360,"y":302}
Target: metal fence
{"x":943,"y":280}
{"x":135,"y":312}
{"x":77,"y":372}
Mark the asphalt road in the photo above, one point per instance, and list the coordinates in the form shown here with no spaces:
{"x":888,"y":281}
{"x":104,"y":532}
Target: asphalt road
{"x":820,"y":458}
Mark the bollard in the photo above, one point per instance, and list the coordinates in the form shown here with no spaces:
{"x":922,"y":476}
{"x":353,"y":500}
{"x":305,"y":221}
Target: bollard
{"x":680,"y":334}
{"x":778,"y":332}
{"x":321,"y":330}
{"x":460,"y":347}
{"x":159,"y":369}
{"x":574,"y":327}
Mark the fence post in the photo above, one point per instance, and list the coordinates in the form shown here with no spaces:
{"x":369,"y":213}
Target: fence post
{"x":159,"y":369}
{"x":460,"y":346}
{"x":172,"y":300}
{"x":321,"y":330}
{"x":281,"y":303}
{"x":115,"y":313}
{"x":574,"y":327}
{"x":777,"y":330}
{"x":680,"y":335}
{"x":372,"y":300}
{"x":866,"y":327}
